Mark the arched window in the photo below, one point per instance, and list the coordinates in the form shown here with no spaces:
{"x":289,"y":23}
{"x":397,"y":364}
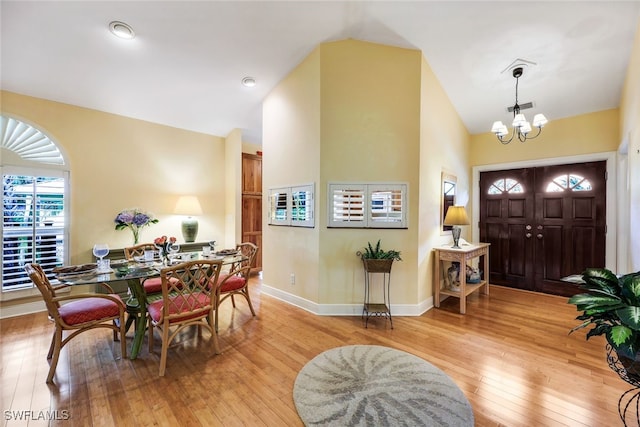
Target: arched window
{"x":34,"y":203}
{"x":505,"y":185}
{"x":568,"y":182}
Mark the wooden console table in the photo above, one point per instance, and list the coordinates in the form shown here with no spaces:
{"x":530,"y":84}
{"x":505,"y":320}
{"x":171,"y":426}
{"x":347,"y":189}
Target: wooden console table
{"x":463,"y":255}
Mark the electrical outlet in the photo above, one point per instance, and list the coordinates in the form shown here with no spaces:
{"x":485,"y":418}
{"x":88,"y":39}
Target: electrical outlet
{"x":292,"y":279}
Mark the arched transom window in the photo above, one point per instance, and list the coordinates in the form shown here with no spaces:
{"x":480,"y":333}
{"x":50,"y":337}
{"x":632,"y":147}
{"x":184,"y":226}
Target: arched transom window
{"x":505,"y":185}
{"x":568,"y":182}
{"x":28,"y":142}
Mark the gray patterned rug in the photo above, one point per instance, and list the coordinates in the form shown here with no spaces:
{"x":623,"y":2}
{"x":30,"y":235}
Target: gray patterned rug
{"x":370,"y":385}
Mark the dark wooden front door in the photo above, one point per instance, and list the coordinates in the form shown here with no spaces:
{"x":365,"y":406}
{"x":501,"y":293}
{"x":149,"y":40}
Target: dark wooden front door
{"x":543,"y":224}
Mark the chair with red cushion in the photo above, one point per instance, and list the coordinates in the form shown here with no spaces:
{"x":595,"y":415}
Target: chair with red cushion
{"x":236,"y":282}
{"x":77,"y":313}
{"x":187,"y":300}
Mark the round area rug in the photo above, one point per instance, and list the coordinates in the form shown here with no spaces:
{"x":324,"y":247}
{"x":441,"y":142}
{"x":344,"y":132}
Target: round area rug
{"x":360,"y":385}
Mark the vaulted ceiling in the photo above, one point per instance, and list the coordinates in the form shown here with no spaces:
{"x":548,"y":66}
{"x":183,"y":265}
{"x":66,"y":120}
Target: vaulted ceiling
{"x":185,"y":65}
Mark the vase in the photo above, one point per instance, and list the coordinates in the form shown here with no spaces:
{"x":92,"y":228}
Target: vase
{"x":136,"y":236}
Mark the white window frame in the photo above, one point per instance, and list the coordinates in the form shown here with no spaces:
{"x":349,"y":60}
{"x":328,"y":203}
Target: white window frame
{"x":291,"y":220}
{"x":29,"y":289}
{"x":365,"y":214}
{"x":308,"y":220}
{"x":275,"y":198}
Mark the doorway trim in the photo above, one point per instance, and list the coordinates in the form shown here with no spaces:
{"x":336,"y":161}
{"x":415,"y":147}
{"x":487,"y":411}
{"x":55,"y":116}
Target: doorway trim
{"x":612,"y":205}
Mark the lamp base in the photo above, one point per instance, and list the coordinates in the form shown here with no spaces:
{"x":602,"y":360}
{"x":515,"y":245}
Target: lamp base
{"x":455,"y":233}
{"x":189,"y":230}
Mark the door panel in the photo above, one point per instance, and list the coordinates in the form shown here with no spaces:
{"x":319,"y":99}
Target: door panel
{"x":506,"y":210}
{"x":552,"y":227}
{"x":573,"y":221}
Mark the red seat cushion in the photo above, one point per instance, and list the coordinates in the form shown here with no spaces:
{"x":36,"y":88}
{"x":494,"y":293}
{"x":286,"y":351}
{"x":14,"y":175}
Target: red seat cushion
{"x":180,"y":304}
{"x":154,"y":284}
{"x":88,"y":310}
{"x":233,"y":283}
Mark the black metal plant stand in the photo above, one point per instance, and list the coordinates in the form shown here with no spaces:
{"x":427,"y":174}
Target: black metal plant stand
{"x":631,"y":397}
{"x":379,"y":309}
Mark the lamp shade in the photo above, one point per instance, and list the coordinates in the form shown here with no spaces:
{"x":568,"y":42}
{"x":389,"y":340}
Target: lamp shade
{"x":456,"y":215}
{"x":188,"y":205}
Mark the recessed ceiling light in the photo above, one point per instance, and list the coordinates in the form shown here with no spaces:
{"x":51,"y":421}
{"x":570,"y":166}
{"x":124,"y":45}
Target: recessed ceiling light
{"x":122,"y":30}
{"x":249,"y":82}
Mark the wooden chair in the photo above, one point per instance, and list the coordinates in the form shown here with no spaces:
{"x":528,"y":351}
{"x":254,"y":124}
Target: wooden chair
{"x":187,"y":299}
{"x":236,"y":282}
{"x":152,"y":286}
{"x":81,"y":313}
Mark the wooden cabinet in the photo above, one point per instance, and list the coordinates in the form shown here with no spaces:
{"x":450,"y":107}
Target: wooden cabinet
{"x":252,"y":203}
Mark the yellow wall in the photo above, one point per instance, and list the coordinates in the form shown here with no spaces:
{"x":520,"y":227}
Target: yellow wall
{"x":291,"y":141}
{"x":585,"y":134}
{"x":359,"y":112}
{"x":118,"y":163}
{"x":444,"y":147}
{"x":630,"y":129}
{"x":370,"y":130}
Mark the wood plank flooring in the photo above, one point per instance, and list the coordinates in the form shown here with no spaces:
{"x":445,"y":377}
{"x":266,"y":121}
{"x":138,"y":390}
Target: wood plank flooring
{"x":510,"y":354}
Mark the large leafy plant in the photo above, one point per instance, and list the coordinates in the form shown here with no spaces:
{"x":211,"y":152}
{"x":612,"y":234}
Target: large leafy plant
{"x":612,"y":305}
{"x":376,"y":252}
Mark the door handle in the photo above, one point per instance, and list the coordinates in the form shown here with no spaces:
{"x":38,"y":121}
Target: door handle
{"x":528,"y":235}
{"x":539,"y":236}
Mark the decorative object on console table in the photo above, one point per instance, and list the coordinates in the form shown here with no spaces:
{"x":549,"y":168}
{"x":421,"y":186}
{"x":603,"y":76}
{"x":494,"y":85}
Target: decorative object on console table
{"x":165,"y":246}
{"x":377,"y":260}
{"x":188,"y":206}
{"x":134,"y":219}
{"x":456,"y":216}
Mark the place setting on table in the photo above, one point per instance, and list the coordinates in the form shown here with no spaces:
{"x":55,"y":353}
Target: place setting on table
{"x":167,"y":253}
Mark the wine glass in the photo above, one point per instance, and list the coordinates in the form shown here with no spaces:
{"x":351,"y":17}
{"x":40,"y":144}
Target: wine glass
{"x":100,"y":250}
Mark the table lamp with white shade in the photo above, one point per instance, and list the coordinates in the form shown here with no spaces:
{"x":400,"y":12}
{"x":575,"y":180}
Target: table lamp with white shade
{"x":456,"y":216}
{"x":188,"y":206}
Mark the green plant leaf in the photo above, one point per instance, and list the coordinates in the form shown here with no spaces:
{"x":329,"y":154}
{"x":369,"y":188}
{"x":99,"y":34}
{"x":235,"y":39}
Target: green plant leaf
{"x":601,"y":278}
{"x":619,"y":334}
{"x":630,"y":285}
{"x":630,"y":316}
{"x":589,"y":301}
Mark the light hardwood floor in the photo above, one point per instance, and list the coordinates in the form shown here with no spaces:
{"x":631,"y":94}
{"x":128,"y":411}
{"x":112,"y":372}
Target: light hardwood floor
{"x":510,"y":354}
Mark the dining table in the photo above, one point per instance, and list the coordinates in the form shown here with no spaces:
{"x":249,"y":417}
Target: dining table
{"x":134,"y":273}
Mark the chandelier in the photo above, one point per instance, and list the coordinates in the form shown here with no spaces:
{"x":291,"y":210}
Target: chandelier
{"x":521,"y":127}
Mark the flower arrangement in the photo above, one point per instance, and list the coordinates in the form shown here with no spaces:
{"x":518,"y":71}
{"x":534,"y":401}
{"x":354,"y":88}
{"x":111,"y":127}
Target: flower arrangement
{"x":164,"y":244}
{"x":134,"y":219}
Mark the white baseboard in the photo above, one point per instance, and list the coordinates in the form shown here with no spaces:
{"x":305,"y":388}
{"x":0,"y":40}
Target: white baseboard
{"x":20,"y":309}
{"x":343,"y":309}
{"x":310,"y":306}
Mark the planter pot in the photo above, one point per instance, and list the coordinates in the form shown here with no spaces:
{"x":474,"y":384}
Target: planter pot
{"x":628,"y":369}
{"x":377,"y":265}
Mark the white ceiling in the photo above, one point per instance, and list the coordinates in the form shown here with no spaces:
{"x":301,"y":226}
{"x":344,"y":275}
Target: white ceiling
{"x":185,"y":65}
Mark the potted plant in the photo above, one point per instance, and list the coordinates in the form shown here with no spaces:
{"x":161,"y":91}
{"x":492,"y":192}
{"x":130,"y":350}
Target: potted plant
{"x":377,"y":260}
{"x":612,"y":305}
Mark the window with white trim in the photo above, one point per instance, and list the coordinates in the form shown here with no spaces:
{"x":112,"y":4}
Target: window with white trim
{"x":278,"y":206}
{"x":292,"y":206}
{"x":33,"y":218}
{"x":368,"y":205}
